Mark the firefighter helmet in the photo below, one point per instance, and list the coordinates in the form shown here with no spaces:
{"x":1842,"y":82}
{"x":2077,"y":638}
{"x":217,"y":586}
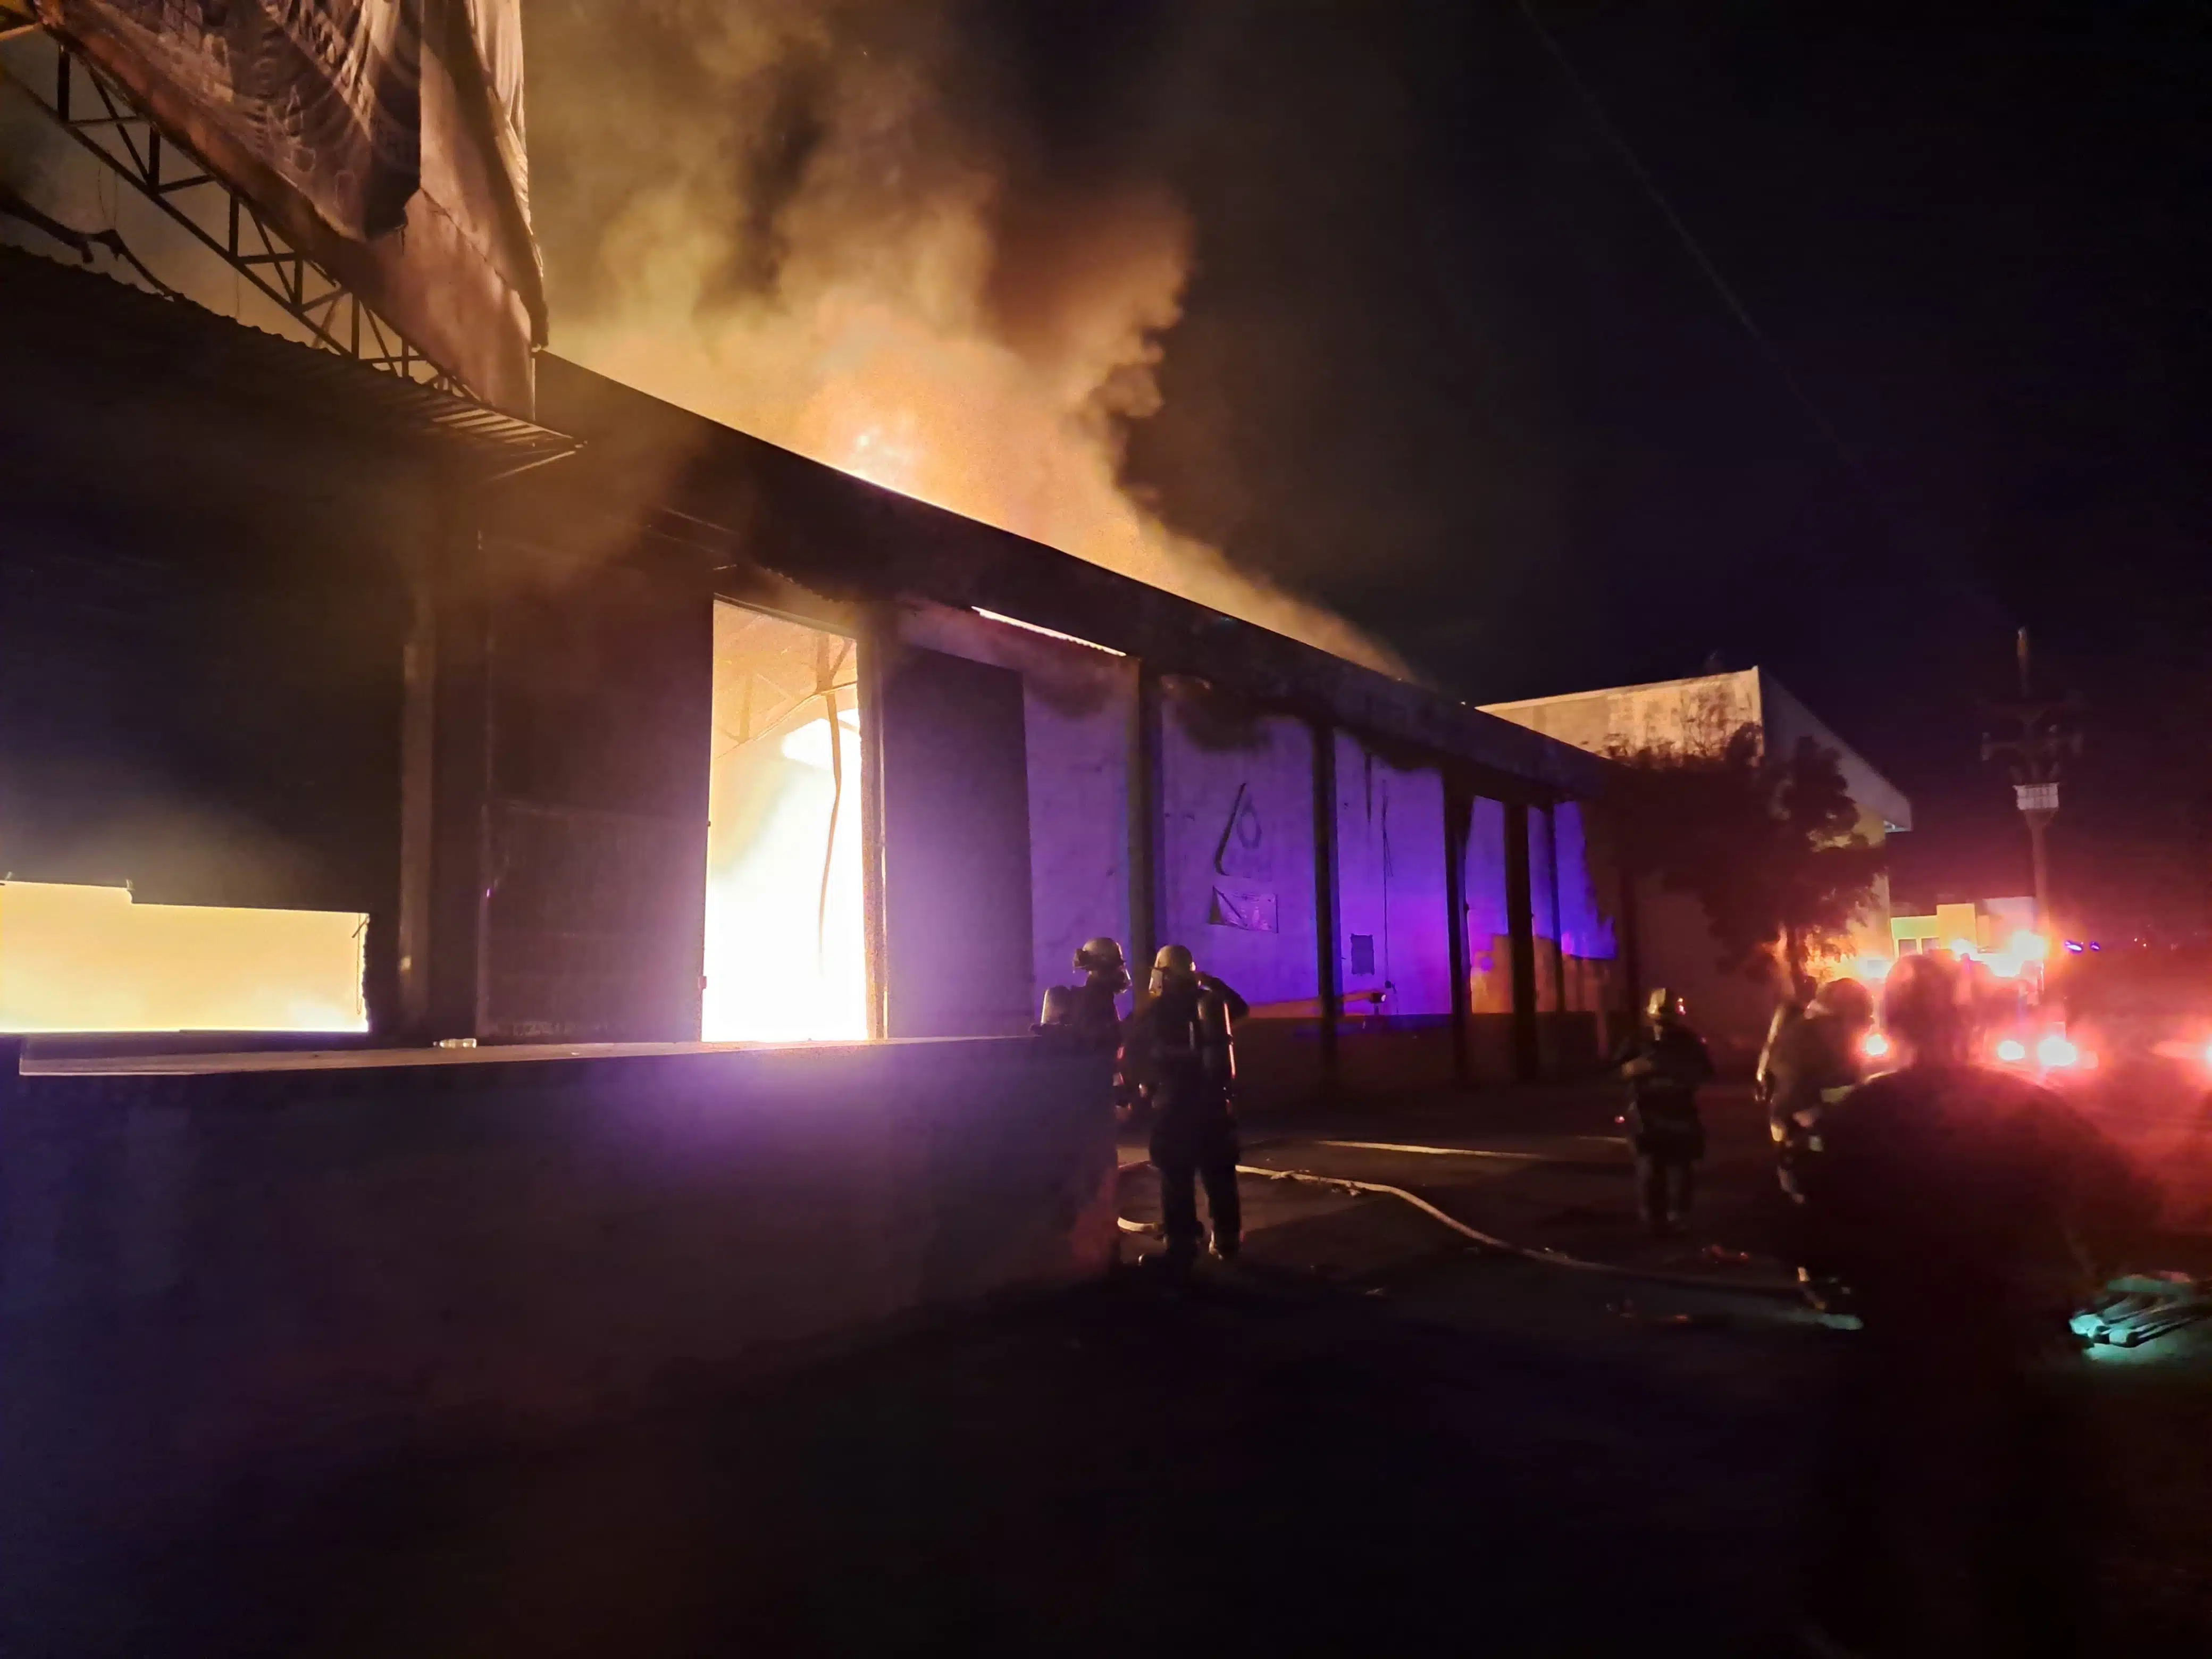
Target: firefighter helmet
{"x":1174,"y":965}
{"x":1099,"y":955}
{"x":1846,"y":1000}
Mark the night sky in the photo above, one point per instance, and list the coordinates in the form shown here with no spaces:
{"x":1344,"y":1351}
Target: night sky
{"x":1445,"y":364}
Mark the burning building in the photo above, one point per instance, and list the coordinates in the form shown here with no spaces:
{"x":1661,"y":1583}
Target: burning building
{"x":487,"y":699}
{"x":620,"y":725}
{"x":625,"y":789}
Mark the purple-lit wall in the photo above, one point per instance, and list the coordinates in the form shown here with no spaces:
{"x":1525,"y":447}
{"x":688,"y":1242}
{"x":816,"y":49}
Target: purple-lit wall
{"x":1078,"y":744}
{"x":1394,"y":921}
{"x":1544,"y":910}
{"x":198,"y":1272}
{"x":1390,"y":884}
{"x":1236,"y":876}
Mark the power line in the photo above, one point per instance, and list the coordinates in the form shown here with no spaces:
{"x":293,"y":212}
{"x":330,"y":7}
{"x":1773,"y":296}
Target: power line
{"x":1877,"y":497}
{"x":1703,"y":261}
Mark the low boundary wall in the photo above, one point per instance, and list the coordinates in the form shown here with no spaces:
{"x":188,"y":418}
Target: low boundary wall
{"x":200,"y":1271}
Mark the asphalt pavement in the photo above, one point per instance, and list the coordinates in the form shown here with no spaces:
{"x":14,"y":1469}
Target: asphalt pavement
{"x":1370,"y":1436}
{"x":1544,"y":1170}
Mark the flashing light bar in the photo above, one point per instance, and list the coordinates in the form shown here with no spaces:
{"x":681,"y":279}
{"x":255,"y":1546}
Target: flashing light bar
{"x":1049,"y":633}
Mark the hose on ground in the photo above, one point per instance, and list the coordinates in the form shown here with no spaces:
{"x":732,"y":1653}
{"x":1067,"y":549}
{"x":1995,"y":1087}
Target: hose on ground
{"x":1499,"y":1246}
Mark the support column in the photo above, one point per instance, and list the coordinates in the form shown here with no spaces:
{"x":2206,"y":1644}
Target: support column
{"x":876,"y":638}
{"x":1144,"y":831}
{"x":1559,"y":925}
{"x":1521,"y":921}
{"x":1459,"y":816}
{"x":418,"y":680}
{"x":444,"y":793}
{"x":1325,"y":917}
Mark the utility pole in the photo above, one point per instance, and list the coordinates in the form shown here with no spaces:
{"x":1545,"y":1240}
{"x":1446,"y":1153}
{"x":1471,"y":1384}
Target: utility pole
{"x":2036,"y":735}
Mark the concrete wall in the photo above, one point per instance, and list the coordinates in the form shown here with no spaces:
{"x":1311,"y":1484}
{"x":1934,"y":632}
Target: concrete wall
{"x":1543,"y":912}
{"x":1489,"y":945}
{"x":1236,"y":876}
{"x":1394,"y":921}
{"x":1694,"y":716}
{"x":200,"y":1272}
{"x":1489,"y":918}
{"x":1589,"y":937}
{"x":1391,"y":882}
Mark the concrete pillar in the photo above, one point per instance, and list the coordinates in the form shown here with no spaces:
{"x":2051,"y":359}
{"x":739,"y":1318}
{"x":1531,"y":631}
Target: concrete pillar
{"x":878,"y":638}
{"x":1326,"y":922}
{"x":1520,"y":918}
{"x":1459,"y":811}
{"x":1559,"y":922}
{"x":445,"y":791}
{"x":1145,"y":828}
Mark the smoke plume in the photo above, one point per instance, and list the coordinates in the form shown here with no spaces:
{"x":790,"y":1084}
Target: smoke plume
{"x":826,"y":222}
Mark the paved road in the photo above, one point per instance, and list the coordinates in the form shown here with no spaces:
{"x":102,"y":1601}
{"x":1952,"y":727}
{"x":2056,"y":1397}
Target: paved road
{"x":1255,"y":1468}
{"x":1368,"y":1440}
{"x":1547,"y":1169}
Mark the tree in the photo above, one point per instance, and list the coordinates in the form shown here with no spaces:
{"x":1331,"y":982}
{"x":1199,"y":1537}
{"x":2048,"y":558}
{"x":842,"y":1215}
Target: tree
{"x":1768,"y":847}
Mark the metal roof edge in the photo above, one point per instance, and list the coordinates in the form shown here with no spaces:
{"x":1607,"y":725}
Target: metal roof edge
{"x":945,"y":557}
{"x":102,"y":315}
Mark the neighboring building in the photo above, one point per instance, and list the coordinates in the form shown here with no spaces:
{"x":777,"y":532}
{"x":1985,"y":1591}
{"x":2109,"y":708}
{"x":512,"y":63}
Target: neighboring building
{"x":629,"y":727}
{"x":1698,"y":716}
{"x":1984,"y":925}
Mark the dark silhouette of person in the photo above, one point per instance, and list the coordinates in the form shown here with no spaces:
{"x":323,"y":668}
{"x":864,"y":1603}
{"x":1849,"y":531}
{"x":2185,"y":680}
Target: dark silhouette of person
{"x":1178,"y":1062}
{"x":1812,"y":1064}
{"x":1964,"y":1205}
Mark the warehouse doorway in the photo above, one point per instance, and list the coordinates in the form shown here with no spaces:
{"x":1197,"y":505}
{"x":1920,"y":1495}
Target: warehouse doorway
{"x":785,"y":939}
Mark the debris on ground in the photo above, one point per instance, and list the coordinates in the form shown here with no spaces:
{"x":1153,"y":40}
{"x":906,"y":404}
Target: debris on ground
{"x":2139,"y":1308}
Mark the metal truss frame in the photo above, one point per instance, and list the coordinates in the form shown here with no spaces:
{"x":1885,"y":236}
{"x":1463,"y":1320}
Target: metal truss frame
{"x":103,"y":119}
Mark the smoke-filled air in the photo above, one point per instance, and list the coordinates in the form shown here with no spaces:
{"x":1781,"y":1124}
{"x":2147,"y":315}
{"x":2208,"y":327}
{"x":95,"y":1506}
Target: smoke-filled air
{"x":820,"y":223}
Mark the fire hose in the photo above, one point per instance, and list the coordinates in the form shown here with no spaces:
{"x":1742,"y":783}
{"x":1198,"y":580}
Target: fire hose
{"x":2132,"y":1311}
{"x":1497,"y":1246}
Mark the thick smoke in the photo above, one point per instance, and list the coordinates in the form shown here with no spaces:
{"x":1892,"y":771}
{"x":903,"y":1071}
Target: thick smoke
{"x":820,"y":221}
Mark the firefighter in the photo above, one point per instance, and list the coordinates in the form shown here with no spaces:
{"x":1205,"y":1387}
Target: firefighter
{"x":1664,"y":1067}
{"x":1810,"y":1063}
{"x":1090,"y":1012}
{"x":1179,"y":1063}
{"x":1787,"y":1013}
{"x":1965,"y":1207}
